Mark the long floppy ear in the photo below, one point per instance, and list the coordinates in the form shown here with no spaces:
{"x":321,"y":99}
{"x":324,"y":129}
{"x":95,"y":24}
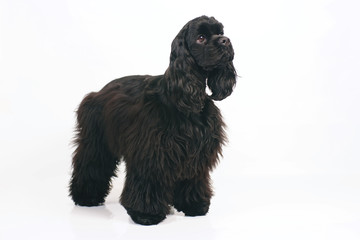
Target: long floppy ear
{"x":184,"y":85}
{"x":178,"y":45}
{"x":221,"y":81}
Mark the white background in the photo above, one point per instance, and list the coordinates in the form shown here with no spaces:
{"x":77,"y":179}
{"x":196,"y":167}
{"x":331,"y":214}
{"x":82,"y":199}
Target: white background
{"x":291,"y":168}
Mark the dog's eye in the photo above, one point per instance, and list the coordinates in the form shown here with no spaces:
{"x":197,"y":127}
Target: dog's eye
{"x":201,"y":39}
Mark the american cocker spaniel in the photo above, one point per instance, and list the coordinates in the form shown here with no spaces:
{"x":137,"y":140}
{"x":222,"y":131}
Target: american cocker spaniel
{"x":166,"y":129}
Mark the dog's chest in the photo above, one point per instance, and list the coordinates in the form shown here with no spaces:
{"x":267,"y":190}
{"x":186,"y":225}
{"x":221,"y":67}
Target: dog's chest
{"x":186,"y":145}
{"x":191,"y":137}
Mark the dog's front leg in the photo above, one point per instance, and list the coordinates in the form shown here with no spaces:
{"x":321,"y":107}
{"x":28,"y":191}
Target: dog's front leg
{"x":146,"y":199}
{"x":192,"y":196}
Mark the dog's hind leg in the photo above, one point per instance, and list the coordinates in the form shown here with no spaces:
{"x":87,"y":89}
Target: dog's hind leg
{"x":93,"y":164}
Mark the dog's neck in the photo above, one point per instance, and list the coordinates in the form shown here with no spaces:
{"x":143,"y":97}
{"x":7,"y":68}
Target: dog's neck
{"x":185,"y":90}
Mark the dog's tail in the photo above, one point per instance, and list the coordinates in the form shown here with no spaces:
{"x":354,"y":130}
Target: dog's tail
{"x":88,"y":120}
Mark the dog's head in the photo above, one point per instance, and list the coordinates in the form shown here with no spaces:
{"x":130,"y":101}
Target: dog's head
{"x":201,"y":49}
{"x":207,"y":43}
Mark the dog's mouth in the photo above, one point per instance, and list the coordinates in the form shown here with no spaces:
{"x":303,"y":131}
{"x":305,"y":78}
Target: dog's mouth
{"x":224,"y":56}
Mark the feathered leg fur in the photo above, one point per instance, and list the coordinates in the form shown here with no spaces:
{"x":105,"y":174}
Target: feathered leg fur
{"x":192,"y":196}
{"x":145,"y":199}
{"x":93,"y":164}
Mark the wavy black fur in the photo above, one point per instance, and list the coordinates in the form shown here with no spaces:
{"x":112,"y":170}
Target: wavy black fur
{"x":166,"y":129}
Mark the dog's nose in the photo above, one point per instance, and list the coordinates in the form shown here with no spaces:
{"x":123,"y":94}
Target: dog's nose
{"x":224,"y":41}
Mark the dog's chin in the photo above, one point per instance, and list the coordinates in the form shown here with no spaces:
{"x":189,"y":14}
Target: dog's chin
{"x":223,"y":61}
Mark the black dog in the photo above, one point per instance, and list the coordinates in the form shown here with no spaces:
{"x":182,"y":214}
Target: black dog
{"x":165,"y":128}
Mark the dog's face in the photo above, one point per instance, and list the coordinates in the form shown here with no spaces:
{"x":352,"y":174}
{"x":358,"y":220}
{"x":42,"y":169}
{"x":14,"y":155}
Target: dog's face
{"x":207,"y":43}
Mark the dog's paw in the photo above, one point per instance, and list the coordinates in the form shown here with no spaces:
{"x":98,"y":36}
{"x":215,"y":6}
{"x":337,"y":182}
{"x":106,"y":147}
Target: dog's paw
{"x":89,"y":202}
{"x":194,"y":209}
{"x":145,"y":218}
